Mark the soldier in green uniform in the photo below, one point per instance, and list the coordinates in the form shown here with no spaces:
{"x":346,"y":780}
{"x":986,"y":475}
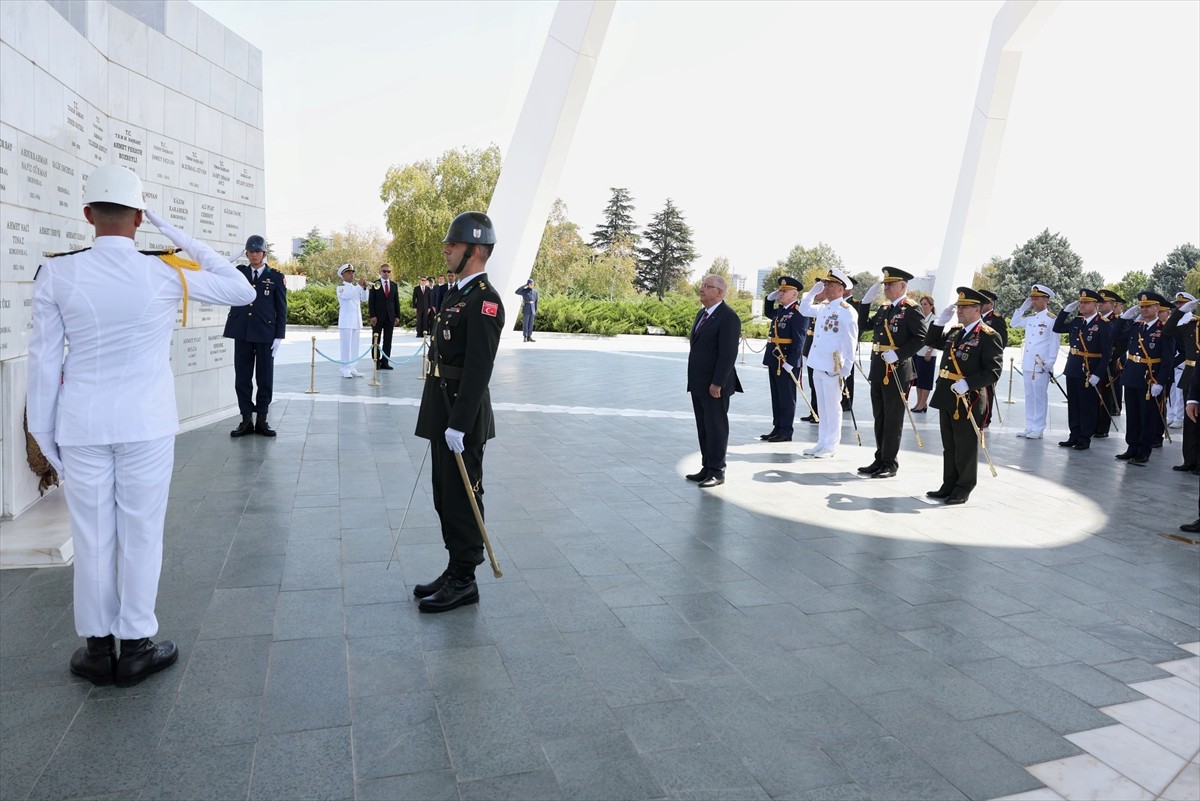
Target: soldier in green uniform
{"x":456,"y":408}
{"x":972,"y":357}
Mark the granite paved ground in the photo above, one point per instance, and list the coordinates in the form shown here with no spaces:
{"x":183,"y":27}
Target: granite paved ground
{"x":798,"y":633}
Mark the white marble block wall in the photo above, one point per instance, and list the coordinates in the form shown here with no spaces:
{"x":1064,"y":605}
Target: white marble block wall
{"x":171,"y":94}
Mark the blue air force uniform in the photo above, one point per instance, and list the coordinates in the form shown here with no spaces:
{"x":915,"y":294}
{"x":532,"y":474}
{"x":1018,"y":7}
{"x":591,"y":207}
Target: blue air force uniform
{"x":253,"y":329}
{"x":1090,"y":341}
{"x":1149,"y":372}
{"x":785,"y":346}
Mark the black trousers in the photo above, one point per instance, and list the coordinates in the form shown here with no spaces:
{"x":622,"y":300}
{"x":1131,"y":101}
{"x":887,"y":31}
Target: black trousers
{"x":424,"y":323}
{"x":783,"y":401}
{"x":1083,"y":407}
{"x":712,"y":428}
{"x":384,"y":332}
{"x":1143,"y":422}
{"x":252,"y":361}
{"x":888,"y":404}
{"x":460,"y":531}
{"x":960,"y":449}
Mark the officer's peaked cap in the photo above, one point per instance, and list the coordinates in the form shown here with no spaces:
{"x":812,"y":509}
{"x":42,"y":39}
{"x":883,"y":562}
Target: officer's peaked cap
{"x":970,"y":297}
{"x":1148,"y":298}
{"x":1041,"y":291}
{"x":787,"y":282}
{"x":1110,"y":296}
{"x":840,"y":276}
{"x":893,"y":274}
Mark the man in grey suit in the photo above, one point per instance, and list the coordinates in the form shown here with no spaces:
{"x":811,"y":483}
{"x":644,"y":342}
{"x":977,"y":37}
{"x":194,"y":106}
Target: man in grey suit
{"x":711,"y":377}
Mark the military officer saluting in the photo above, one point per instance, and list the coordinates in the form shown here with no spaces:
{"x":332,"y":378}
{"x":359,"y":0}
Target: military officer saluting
{"x":1183,"y":326}
{"x":994,"y":321}
{"x":1149,"y":370}
{"x":257,"y":329}
{"x":831,"y":357}
{"x":972,"y":357}
{"x":899,"y":332}
{"x":1110,"y":384}
{"x":1090,"y":343}
{"x":1040,"y":354}
{"x":785,"y":344}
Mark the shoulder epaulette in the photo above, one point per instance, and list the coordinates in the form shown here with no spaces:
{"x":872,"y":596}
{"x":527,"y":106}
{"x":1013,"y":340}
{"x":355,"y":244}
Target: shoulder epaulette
{"x":64,"y":253}
{"x":987,"y":329}
{"x":845,"y":305}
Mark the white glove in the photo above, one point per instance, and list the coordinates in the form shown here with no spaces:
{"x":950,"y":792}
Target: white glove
{"x":872,"y":293}
{"x":959,"y":387}
{"x":773,"y":296}
{"x":1038,"y":369}
{"x":1024,"y":307}
{"x":1155,"y":390}
{"x":454,"y":440}
{"x":178,"y":238}
{"x":1190,"y":306}
{"x":238,"y":257}
{"x":890,"y":356}
{"x":1130,"y":313}
{"x":1186,"y":318}
{"x":275,"y":347}
{"x":1093,"y":379}
{"x":1072,"y":306}
{"x":50,"y":450}
{"x":818,"y":288}
{"x":945,"y":316}
{"x":791,"y":367}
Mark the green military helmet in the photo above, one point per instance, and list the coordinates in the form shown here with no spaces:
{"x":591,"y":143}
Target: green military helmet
{"x":472,"y":228}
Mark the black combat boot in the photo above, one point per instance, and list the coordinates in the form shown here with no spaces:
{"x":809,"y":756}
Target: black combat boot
{"x":96,"y":661}
{"x":142,"y":658}
{"x":425,"y":590}
{"x":262,"y":428}
{"x":459,"y":590}
{"x":245,"y":427}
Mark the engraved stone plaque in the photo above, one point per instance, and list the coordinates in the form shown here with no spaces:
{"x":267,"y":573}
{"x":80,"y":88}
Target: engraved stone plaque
{"x":97,"y":136}
{"x":246,"y":185}
{"x":220,"y":349}
{"x":207,"y":218}
{"x":128,"y":145}
{"x":19,"y":256}
{"x":179,"y":208}
{"x":164,"y":159}
{"x":192,"y":350}
{"x":193,"y":169}
{"x":34,"y":187}
{"x":232,"y":222}
{"x":220,"y":177}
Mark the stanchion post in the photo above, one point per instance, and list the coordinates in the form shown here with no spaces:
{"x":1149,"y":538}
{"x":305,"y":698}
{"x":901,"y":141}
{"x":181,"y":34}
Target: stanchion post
{"x":375,"y":361}
{"x":312,"y":370}
{"x":1010,"y":379}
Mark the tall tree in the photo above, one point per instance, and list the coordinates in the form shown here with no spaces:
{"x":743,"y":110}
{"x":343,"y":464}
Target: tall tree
{"x":423,"y":198}
{"x":312,"y":245}
{"x":1046,"y":259}
{"x":805,"y":264}
{"x":663,"y":263}
{"x":720,"y":266}
{"x":1130,"y":284}
{"x":365,"y":248}
{"x":562,"y":256}
{"x":618,"y":227}
{"x":1168,"y":275}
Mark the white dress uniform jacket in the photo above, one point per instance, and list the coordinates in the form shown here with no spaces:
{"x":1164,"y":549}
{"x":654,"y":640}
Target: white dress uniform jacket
{"x":115,"y":308}
{"x":835,"y":330}
{"x":350,"y":297}
{"x":1040,"y":339}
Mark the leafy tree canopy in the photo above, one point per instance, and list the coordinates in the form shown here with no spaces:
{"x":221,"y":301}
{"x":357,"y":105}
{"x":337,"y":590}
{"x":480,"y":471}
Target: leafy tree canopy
{"x":565,"y":265}
{"x":806,"y":264}
{"x":423,"y":198}
{"x":365,"y":248}
{"x":312,"y":245}
{"x":663,"y":263}
{"x":1168,"y":275}
{"x":1130,"y":284}
{"x":1046,"y":259}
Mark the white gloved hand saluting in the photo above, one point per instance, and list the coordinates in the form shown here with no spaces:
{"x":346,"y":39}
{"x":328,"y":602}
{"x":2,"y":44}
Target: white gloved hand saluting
{"x":945,"y":315}
{"x":1190,"y":306}
{"x":1130,"y":313}
{"x":890,"y":357}
{"x":275,"y":347}
{"x":178,"y":238}
{"x":1155,"y":390}
{"x":1094,"y":380}
{"x":49,"y":448}
{"x":872,"y":293}
{"x":960,"y":387}
{"x":773,"y":296}
{"x":454,"y":440}
{"x":235,"y":259}
{"x":1024,"y":307}
{"x":1072,"y":306}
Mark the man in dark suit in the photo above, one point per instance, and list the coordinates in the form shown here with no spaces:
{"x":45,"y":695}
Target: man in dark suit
{"x":422,"y":301}
{"x":438,"y":293}
{"x":971,"y":361}
{"x":998,"y":324}
{"x":785,"y":346}
{"x":711,"y":377}
{"x":383,"y":307}
{"x":1090,"y":339}
{"x":257,"y":331}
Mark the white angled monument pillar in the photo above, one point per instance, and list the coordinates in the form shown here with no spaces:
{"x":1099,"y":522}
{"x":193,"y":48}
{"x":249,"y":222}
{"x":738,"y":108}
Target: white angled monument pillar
{"x":1014,"y":27}
{"x":534,"y":160}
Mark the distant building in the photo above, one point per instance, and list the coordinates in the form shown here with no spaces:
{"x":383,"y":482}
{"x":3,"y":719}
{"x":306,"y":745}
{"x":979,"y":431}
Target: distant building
{"x":738,"y":282}
{"x":762,"y":276}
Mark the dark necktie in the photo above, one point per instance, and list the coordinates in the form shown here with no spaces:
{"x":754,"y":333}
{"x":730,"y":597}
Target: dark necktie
{"x":254,"y":280}
{"x":703,"y":319}
{"x":385,"y":289}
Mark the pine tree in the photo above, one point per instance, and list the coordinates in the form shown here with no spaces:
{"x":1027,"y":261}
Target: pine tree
{"x":1167,"y":276}
{"x":1046,"y":259}
{"x":663,"y":263}
{"x":618,"y":228}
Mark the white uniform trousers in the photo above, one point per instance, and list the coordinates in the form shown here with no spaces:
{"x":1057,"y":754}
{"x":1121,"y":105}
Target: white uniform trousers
{"x":117,"y":499}
{"x":349,"y":350}
{"x":1037,"y":386}
{"x":829,"y":410}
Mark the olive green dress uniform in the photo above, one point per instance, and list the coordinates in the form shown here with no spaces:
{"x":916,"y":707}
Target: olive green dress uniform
{"x":977,"y":358}
{"x":466,"y":335}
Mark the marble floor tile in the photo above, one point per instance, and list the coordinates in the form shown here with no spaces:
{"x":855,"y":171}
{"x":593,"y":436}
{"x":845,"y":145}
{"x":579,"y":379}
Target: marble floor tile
{"x":1186,"y":786}
{"x":1177,"y":693}
{"x":1184,"y":668}
{"x":1043,"y":794}
{"x":1176,"y":732}
{"x":1193,"y":647}
{"x":1085,"y":778}
{"x":1140,"y":759}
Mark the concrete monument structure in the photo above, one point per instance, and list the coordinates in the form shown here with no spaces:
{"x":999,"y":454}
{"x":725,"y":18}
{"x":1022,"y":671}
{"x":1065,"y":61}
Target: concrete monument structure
{"x":156,"y":86}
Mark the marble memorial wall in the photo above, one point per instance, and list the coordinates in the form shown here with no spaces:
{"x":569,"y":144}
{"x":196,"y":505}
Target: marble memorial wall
{"x":182,"y":107}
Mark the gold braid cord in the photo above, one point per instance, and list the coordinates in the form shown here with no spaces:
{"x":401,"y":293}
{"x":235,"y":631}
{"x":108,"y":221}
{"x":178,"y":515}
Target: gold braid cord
{"x":38,"y":463}
{"x":171,"y":259}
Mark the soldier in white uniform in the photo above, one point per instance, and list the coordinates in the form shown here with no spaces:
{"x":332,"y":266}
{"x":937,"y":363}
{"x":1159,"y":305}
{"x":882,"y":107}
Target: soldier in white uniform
{"x":831,"y":357}
{"x":105,"y":414}
{"x":351,"y":297}
{"x":1041,"y":351}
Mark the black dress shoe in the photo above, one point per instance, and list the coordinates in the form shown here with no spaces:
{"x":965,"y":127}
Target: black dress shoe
{"x":531,"y":339}
{"x":697,"y":477}
{"x":887,"y":471}
{"x":779,"y":438}
{"x":766,"y":436}
{"x":1139,"y":460}
{"x":956,"y":500}
{"x":1125,"y":455}
{"x":454,"y":593}
{"x":873,"y":467}
{"x":96,"y":661}
{"x":1100,"y":435}
{"x":142,"y":658}
{"x":1191,"y":528}
{"x":1081,"y":446}
{"x":715,"y":479}
{"x":425,"y":590}
{"x":263,"y":429}
{"x":386,"y":367}
{"x":808,"y":418}
{"x":1184,"y":468}
{"x":922,"y":410}
{"x":1067,"y":443}
{"x":245,"y":427}
{"x":938,"y":493}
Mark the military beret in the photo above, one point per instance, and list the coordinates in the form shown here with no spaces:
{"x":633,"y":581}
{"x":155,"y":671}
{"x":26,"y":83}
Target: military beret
{"x":970,"y":297}
{"x":893,"y":274}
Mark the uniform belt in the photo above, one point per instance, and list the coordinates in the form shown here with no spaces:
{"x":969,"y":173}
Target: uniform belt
{"x":1189,"y":362}
{"x":882,"y":348}
{"x":780,"y":340}
{"x":1084,"y":354}
{"x":445,"y":371}
{"x":1133,"y":357}
{"x":950,"y":374}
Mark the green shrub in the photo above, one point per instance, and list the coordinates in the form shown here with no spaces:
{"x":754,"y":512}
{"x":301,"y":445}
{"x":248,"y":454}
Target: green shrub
{"x":317,"y":304}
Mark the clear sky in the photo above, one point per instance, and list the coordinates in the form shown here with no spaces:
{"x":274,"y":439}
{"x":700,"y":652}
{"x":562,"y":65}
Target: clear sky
{"x":769,"y":124}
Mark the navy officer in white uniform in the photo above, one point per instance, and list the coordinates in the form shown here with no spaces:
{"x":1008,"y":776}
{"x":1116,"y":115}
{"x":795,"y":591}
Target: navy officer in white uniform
{"x":831,"y":357}
{"x":105,"y":415}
